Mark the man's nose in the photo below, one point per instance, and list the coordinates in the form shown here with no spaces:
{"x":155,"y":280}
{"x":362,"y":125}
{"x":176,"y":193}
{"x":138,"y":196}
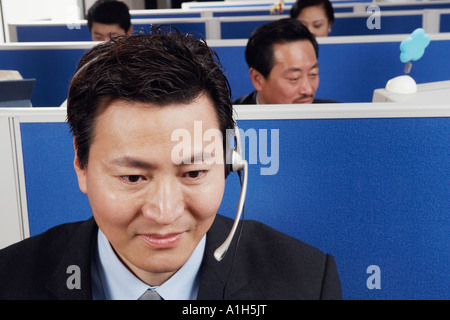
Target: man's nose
{"x":164,"y":203}
{"x":305,"y":87}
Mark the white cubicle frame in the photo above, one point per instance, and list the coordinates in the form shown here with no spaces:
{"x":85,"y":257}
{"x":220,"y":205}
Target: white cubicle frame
{"x":219,"y":42}
{"x":14,"y":213}
{"x":430,"y":21}
{"x":2,"y":25}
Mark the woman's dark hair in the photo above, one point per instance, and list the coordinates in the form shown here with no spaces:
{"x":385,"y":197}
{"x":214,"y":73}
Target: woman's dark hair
{"x":109,"y":12}
{"x":161,"y":68}
{"x":259,"y":51}
{"x":299,"y":5}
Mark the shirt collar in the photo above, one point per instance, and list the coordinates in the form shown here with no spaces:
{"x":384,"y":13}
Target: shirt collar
{"x":118,"y":283}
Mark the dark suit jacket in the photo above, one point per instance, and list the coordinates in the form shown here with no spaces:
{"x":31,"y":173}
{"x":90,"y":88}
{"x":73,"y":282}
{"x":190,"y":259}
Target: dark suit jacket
{"x":251,"y":99}
{"x":37,"y":268}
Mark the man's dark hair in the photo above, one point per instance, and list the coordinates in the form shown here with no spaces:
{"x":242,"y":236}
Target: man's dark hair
{"x":109,"y":12}
{"x":163,"y":67}
{"x":259,"y":51}
{"x":299,"y":5}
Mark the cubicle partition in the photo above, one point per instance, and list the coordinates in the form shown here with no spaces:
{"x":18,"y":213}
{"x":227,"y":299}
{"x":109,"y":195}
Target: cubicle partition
{"x":351,"y":68}
{"x":54,"y":31}
{"x":444,"y":22}
{"x":338,"y":6}
{"x":253,"y":8}
{"x":368,"y":183}
{"x":51,"y":64}
{"x":240,"y":27}
{"x":235,"y":11}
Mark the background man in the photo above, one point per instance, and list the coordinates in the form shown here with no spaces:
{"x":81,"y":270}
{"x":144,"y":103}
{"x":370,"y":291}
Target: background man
{"x":109,"y":18}
{"x":282,"y":59}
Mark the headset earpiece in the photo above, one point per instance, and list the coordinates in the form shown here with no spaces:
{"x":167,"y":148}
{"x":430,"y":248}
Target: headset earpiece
{"x":233,"y":156}
{"x":235,"y":163}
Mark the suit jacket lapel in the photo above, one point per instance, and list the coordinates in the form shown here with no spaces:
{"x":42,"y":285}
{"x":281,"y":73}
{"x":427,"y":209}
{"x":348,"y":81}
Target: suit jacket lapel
{"x":215,"y":275}
{"x":75,"y":265}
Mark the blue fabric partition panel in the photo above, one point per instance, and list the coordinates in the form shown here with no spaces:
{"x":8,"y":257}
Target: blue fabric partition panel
{"x":357,"y":26}
{"x":351,"y":72}
{"x":52,"y":189}
{"x":373,"y":192}
{"x":445,"y":23}
{"x":266,"y":12}
{"x":47,"y":33}
{"x":166,"y":16}
{"x":349,"y":26}
{"x":348,"y":72}
{"x":414,"y":6}
{"x":52,"y":69}
{"x":197,"y":29}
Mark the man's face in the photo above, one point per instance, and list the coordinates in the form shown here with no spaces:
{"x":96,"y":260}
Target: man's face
{"x":294,"y":77}
{"x":104,"y":32}
{"x":153,"y":211}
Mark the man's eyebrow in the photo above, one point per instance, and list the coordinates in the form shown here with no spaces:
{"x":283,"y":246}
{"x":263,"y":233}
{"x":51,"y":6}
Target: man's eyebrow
{"x":315,"y":66}
{"x":198,"y":158}
{"x":128,"y":162}
{"x":295,"y":69}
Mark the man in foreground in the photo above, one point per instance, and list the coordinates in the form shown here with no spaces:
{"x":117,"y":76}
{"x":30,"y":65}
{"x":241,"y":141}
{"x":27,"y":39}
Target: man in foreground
{"x":155,"y":226}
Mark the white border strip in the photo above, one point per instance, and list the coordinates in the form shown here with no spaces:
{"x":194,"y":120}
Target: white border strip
{"x":221,"y":42}
{"x":340,"y":111}
{"x":277,"y":112}
{"x":21,"y":190}
{"x":48,"y":45}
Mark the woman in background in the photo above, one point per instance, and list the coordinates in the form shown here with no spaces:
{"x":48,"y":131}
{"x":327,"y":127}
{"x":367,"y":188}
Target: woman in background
{"x":316,"y":15}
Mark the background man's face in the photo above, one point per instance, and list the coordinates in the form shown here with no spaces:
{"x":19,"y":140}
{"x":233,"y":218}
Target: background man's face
{"x":104,"y":32}
{"x":294,"y":77}
{"x":153,"y":211}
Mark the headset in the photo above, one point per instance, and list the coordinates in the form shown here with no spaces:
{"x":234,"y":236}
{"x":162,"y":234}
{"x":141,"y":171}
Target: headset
{"x":234,"y":163}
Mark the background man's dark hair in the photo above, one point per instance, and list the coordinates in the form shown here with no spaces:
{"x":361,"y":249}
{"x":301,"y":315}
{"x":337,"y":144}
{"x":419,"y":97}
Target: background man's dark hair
{"x":299,"y":5}
{"x":259,"y":50}
{"x":163,"y":67}
{"x":109,"y":12}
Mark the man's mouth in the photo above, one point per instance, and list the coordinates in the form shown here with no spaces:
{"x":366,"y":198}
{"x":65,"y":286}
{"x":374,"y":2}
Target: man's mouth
{"x":161,"y":241}
{"x":308,"y":99}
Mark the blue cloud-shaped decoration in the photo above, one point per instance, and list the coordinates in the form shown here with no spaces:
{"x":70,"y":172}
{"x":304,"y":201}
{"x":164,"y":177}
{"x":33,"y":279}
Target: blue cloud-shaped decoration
{"x":413,"y":47}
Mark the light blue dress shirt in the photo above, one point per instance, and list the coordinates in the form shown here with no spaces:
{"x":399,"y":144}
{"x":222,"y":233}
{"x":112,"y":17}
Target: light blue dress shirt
{"x":111,"y":280}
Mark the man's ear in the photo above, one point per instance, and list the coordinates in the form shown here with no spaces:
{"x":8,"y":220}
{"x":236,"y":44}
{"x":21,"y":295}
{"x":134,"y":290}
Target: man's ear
{"x":81,"y":173}
{"x":257,"y":78}
{"x":130,"y":31}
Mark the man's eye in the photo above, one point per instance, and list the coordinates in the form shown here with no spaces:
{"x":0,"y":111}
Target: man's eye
{"x":194,"y":174}
{"x":132,"y":178}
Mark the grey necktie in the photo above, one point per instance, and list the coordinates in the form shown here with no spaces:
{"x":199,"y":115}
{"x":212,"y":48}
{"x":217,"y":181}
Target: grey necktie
{"x":150,"y":295}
